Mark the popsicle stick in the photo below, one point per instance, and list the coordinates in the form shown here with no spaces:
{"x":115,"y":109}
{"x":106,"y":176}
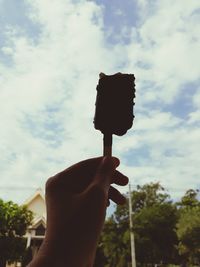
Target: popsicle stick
{"x":107,"y":144}
{"x":107,"y":151}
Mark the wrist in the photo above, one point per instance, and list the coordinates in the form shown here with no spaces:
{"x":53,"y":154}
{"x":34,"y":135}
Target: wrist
{"x":55,"y":253}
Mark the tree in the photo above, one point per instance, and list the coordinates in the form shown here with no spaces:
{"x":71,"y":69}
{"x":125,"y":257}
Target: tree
{"x":154,"y":220}
{"x":115,"y":241}
{"x":149,"y":195}
{"x":189,"y":235}
{"x":165,"y":232}
{"x":14,"y":220}
{"x":155,"y":234}
{"x":188,"y":227}
{"x":189,"y":200}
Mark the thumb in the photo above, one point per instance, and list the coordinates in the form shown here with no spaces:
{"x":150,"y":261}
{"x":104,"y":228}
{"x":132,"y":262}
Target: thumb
{"x":106,"y":170}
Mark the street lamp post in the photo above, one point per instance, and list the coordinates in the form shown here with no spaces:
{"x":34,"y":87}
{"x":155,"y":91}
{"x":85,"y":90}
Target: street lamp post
{"x":131,"y":230}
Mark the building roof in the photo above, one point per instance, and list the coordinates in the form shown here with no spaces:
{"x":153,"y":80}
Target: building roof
{"x":37,"y":193}
{"x":36,"y":203}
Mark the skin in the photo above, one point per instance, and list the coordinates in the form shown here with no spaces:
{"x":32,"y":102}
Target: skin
{"x":76,"y":200}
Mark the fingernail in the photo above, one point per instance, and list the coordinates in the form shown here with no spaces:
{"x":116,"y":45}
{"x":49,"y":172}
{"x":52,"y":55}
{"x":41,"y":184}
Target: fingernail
{"x":108,"y":164}
{"x":107,"y":161}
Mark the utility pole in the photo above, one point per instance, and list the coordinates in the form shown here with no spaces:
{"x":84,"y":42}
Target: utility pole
{"x":131,"y":230}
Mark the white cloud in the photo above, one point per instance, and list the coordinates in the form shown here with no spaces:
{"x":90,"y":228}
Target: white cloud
{"x":169,"y":47}
{"x":7,"y":50}
{"x":196,"y":98}
{"x":165,"y":61}
{"x":60,"y":72}
{"x":194,"y":117}
{"x":48,"y":94}
{"x":172,"y":157}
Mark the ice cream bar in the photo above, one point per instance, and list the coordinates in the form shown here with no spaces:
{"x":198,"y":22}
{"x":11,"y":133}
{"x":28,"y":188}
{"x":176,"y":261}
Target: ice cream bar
{"x":114,"y":103}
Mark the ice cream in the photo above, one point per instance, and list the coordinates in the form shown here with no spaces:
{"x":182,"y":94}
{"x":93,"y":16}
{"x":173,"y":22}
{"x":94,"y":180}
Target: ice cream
{"x":114,"y":103}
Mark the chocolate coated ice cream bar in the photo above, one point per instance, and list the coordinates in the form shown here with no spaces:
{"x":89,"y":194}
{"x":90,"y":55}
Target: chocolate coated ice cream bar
{"x":114,"y":104}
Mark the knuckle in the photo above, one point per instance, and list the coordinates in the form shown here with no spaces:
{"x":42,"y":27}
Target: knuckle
{"x":50,"y":184}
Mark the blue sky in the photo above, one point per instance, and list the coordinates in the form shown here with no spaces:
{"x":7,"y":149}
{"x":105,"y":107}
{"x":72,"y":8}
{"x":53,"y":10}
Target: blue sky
{"x":50,"y":56}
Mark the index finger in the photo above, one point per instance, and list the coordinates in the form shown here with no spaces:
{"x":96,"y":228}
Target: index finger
{"x":77,"y":177}
{"x":106,"y":170}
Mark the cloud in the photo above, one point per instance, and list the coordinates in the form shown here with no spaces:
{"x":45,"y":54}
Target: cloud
{"x":164,"y":52}
{"x":48,"y":92}
{"x":196,"y":98}
{"x":168,"y":47}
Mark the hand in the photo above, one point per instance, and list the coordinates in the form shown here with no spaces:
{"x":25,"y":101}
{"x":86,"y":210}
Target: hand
{"x":76,"y":201}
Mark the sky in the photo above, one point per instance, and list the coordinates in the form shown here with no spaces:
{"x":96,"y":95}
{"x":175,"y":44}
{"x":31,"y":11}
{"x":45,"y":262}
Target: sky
{"x":51,"y":53}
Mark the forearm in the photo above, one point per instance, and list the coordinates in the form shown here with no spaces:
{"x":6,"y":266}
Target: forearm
{"x":46,"y":262}
{"x":52,"y":255}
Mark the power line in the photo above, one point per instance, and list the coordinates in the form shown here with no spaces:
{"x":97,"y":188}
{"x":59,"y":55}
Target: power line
{"x":167,"y":188}
{"x":18,"y":188}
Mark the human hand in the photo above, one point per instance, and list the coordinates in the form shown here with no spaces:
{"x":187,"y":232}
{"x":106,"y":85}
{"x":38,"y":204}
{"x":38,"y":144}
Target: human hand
{"x":76,"y":201}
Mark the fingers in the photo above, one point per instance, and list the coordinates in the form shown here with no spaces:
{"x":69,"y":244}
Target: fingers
{"x":105,"y":171}
{"x":116,"y":196}
{"x":119,"y":179}
{"x":77,"y":177}
{"x":88,"y":166}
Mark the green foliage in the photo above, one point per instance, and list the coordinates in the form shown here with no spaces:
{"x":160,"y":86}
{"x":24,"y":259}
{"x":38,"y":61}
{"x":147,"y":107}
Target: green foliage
{"x":155,"y":235}
{"x":188,"y":227}
{"x":114,"y":243}
{"x":115,"y":237}
{"x":165,"y":233}
{"x":14,"y":220}
{"x":154,"y":221}
{"x":148,"y":195}
{"x":190,"y":199}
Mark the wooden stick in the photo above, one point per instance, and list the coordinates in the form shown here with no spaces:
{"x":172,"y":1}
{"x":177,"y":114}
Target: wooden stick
{"x":107,"y":144}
